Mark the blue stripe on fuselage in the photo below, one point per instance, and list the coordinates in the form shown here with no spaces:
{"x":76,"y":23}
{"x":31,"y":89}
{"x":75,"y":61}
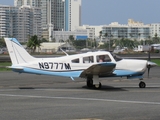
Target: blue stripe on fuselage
{"x":121,"y":73}
{"x":116,"y":73}
{"x":43,"y":72}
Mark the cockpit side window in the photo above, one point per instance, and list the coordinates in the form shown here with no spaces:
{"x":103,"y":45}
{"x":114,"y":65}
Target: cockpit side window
{"x":88,"y":59}
{"x":103,"y":58}
{"x":75,"y":60}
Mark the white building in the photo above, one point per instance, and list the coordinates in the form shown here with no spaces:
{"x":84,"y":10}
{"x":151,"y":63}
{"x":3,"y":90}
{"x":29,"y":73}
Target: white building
{"x":72,"y":14}
{"x":48,"y":47}
{"x":62,"y":36}
{"x":155,"y":29}
{"x":92,"y":31}
{"x":132,"y":30}
{"x":34,"y":3}
{"x":20,"y":22}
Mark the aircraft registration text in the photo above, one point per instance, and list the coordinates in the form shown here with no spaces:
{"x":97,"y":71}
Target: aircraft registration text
{"x":54,"y":65}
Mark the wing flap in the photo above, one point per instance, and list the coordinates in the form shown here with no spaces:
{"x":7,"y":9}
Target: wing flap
{"x":101,"y":69}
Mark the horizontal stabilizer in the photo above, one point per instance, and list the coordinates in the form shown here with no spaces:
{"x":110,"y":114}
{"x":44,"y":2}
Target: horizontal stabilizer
{"x":17,"y":68}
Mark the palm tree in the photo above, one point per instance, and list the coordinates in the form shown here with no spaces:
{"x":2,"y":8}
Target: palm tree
{"x":139,"y":35}
{"x":106,"y":35}
{"x":155,"y":38}
{"x":110,"y":41}
{"x":33,"y":43}
{"x":131,"y":35}
{"x":100,"y":34}
{"x":155,"y":35}
{"x":2,"y":43}
{"x":71,"y":40}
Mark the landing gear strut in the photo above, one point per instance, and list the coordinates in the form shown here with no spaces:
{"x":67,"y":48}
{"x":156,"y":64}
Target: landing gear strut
{"x":90,"y":83}
{"x":142,"y":84}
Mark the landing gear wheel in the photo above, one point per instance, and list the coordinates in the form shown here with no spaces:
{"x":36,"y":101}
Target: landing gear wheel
{"x":89,"y":83}
{"x":98,"y":86}
{"x":142,"y":84}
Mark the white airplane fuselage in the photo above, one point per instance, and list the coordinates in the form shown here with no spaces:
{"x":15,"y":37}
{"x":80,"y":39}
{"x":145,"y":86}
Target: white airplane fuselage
{"x":63,"y":66}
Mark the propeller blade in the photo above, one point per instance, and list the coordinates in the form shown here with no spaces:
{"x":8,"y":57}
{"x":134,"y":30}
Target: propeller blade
{"x":149,"y":56}
{"x":150,"y":65}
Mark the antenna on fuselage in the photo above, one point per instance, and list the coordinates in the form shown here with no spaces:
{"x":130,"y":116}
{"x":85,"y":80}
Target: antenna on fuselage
{"x":64,"y":52}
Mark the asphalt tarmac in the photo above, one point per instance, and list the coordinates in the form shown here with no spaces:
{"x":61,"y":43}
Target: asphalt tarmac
{"x":38,"y":97}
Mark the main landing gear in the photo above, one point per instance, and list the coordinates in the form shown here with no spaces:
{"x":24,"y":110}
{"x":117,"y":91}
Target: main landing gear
{"x":90,"y":83}
{"x":96,"y":84}
{"x":142,"y":84}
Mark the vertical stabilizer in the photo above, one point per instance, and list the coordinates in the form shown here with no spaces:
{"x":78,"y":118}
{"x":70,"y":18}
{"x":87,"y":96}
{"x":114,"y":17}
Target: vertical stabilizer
{"x":16,"y":51}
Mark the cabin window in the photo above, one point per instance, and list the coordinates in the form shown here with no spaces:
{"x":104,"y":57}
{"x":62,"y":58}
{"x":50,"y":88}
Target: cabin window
{"x":88,"y":59}
{"x":75,"y":60}
{"x":103,"y":58}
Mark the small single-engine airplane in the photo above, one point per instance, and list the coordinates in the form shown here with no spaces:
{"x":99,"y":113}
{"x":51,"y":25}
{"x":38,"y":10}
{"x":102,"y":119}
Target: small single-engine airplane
{"x":90,"y":65}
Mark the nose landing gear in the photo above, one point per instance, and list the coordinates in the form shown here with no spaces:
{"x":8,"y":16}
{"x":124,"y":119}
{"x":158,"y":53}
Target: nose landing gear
{"x":142,"y":84}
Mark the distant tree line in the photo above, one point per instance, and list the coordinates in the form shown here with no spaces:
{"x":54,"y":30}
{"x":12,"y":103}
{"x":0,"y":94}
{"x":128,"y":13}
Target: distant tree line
{"x":34,"y":42}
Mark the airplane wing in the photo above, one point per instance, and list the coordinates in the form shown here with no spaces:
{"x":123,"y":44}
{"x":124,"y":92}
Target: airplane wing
{"x":101,"y":69}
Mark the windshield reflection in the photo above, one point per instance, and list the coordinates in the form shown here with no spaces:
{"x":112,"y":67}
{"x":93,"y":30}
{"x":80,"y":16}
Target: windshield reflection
{"x":116,"y":57}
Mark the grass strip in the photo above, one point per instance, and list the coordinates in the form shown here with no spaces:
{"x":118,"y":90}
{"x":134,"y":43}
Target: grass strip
{"x":157,"y":61}
{"x":3,"y":66}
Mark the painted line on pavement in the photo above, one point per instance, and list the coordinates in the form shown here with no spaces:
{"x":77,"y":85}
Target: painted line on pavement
{"x":76,"y":98}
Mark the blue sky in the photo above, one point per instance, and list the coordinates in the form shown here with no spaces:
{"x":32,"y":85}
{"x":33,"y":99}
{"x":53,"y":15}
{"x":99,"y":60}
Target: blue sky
{"x":100,"y":12}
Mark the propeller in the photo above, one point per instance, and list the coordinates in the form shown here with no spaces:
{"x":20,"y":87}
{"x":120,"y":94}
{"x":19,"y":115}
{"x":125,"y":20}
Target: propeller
{"x":149,"y":59}
{"x":150,"y":65}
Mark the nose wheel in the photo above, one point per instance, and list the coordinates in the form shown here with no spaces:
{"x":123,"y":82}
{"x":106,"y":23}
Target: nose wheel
{"x":142,"y":84}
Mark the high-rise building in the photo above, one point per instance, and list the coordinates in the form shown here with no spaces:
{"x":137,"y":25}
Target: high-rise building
{"x":72,"y":14}
{"x":61,"y":14}
{"x":35,"y":3}
{"x":20,"y":22}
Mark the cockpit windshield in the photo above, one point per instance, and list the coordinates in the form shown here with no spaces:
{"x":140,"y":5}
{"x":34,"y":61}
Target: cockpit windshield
{"x":116,"y":57}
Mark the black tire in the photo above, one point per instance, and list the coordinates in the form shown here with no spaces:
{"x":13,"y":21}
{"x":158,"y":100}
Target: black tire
{"x":98,"y":87}
{"x":142,"y":84}
{"x":89,"y":83}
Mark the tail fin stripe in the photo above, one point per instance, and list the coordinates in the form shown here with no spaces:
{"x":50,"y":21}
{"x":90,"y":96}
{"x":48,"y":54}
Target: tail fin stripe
{"x":16,"y":51}
{"x":16,"y":42}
